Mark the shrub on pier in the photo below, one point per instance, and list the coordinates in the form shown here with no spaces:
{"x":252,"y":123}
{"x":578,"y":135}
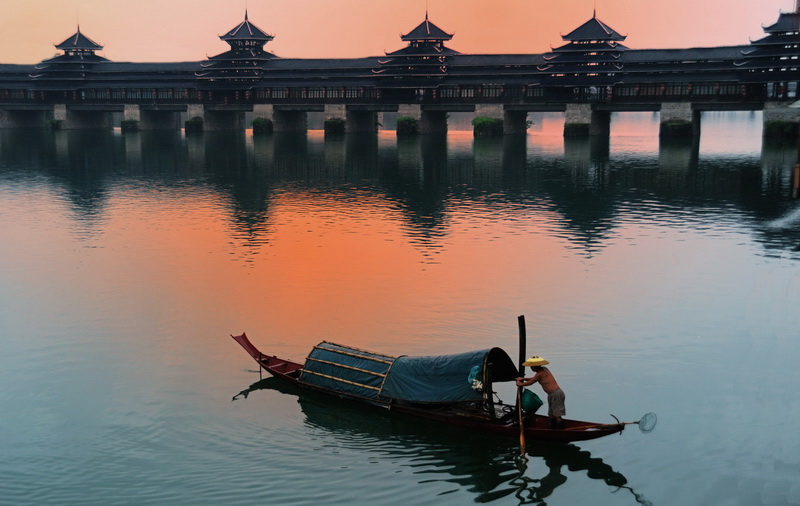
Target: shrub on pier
{"x":193,"y":125}
{"x":406,"y":125}
{"x":262,"y":126}
{"x":129,"y":125}
{"x":55,"y":124}
{"x":781,"y":129}
{"x":335,"y":126}
{"x":483,"y":126}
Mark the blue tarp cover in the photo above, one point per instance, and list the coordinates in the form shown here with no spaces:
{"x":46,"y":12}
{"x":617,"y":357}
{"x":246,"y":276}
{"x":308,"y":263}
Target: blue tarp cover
{"x":443,"y":378}
{"x":382,"y":378}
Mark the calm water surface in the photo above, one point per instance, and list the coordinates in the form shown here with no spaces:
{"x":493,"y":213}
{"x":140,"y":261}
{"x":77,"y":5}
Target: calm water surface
{"x":659,"y":278}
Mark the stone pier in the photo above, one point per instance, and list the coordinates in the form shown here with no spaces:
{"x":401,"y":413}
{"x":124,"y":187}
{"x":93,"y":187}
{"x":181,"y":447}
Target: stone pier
{"x":151,"y":119}
{"x":781,"y":120}
{"x":74,"y":119}
{"x":362,"y":122}
{"x":287,"y":120}
{"x":515,"y":122}
{"x":430,"y":122}
{"x":679,"y":120}
{"x":582,"y":120}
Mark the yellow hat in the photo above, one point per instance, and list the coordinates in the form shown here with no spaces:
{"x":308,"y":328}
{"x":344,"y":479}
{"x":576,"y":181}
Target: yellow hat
{"x":534,"y":361}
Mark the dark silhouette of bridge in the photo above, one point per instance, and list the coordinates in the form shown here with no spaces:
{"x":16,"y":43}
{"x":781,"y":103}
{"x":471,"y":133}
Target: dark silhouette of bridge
{"x":587,"y":78}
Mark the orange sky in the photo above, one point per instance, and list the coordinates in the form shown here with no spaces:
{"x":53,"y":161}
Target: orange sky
{"x":187,"y":30}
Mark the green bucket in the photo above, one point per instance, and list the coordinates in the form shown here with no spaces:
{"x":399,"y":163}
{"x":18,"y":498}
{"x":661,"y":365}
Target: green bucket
{"x":530,"y":402}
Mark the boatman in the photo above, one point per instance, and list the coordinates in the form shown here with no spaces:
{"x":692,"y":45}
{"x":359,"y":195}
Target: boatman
{"x":555,"y":396}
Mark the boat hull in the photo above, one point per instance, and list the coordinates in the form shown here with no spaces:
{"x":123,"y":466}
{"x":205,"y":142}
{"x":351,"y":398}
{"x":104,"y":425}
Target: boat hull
{"x":536,"y":426}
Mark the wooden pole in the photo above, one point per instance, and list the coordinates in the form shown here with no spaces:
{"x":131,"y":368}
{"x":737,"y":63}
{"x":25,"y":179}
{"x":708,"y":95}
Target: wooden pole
{"x":522,"y":340}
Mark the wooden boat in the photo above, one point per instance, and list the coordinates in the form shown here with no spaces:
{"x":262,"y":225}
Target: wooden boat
{"x":425,"y":387}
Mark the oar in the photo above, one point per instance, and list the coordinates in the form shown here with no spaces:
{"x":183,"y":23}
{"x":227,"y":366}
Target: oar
{"x":521,"y":322}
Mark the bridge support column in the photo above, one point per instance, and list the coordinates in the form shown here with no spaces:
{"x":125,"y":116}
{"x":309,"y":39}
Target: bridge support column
{"x":581,"y":121}
{"x":781,"y":121}
{"x":515,"y":122}
{"x":263,"y":111}
{"x":429,"y":122}
{"x":151,"y":120}
{"x":132,"y":112}
{"x":577,"y":119}
{"x":158,"y":120}
{"x":217,"y":121}
{"x":679,"y":120}
{"x":362,"y":122}
{"x":335,"y":119}
{"x":433,"y":122}
{"x":488,"y":120}
{"x":77,"y":120}
{"x":289,"y":121}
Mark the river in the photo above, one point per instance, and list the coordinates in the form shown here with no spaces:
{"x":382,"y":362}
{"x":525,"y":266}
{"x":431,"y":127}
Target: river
{"x":653,"y":277}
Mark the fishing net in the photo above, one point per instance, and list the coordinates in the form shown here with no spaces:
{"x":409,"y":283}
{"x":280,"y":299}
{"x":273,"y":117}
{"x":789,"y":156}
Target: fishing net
{"x":648,"y":422}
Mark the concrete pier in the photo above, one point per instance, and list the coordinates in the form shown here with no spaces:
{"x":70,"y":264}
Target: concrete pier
{"x":679,"y":120}
{"x":582,"y":120}
{"x":289,"y":120}
{"x":74,"y":119}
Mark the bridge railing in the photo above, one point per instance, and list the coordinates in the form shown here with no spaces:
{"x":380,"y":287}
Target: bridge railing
{"x":449,"y":94}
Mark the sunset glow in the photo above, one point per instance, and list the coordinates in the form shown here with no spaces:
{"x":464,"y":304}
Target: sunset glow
{"x":188,"y":30}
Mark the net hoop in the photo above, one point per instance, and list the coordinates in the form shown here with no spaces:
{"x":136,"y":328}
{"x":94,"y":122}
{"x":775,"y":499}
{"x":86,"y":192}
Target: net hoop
{"x":648,"y":422}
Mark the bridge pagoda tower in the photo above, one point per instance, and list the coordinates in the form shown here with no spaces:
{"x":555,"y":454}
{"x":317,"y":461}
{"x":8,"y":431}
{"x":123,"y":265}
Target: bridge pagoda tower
{"x":425,"y":56}
{"x":234,"y":73}
{"x":68,"y":72}
{"x":592,"y":55}
{"x":776,"y":53}
{"x":246,"y":60}
{"x":413,"y":73}
{"x":589,"y":63}
{"x":74,"y":63}
{"x":773,"y":59}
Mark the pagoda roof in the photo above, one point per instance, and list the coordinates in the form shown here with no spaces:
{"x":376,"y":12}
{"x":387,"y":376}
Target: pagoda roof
{"x":594,"y":29}
{"x":426,"y":31}
{"x":424,"y":51}
{"x":246,"y":31}
{"x":600,"y":46}
{"x":79,"y":41}
{"x":776,"y":39}
{"x":787,"y":22}
{"x":249,"y":55}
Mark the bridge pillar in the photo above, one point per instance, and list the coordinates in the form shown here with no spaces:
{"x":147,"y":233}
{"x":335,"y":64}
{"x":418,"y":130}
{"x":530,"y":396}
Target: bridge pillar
{"x":75,"y":120}
{"x":151,"y":120}
{"x":262,"y":111}
{"x":581,"y":120}
{"x":515,"y":122}
{"x":132,"y":112}
{"x":430,"y":122}
{"x":159,"y":120}
{"x":216,"y":121}
{"x":335,"y":119}
{"x":289,"y":121}
{"x":362,"y":122}
{"x":780,"y":120}
{"x":679,"y":120}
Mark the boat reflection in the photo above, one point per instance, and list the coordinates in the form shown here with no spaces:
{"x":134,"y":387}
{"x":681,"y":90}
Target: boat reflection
{"x":486,"y":465}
